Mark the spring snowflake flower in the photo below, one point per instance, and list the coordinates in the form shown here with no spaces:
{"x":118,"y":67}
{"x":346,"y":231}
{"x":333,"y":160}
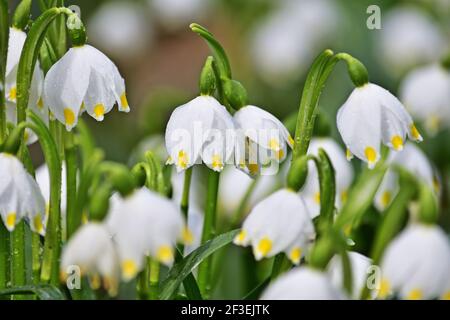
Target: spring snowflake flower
{"x":200,"y":129}
{"x":400,"y":49}
{"x":279,"y":223}
{"x":302,"y":283}
{"x":343,"y":175}
{"x":370,"y":116}
{"x":92,"y":250}
{"x":416,"y":263}
{"x":20,"y":196}
{"x":415,"y":161}
{"x":16,"y":41}
{"x":260,"y":138}
{"x":234,"y":184}
{"x":359,"y":265}
{"x":425,"y":92}
{"x":145,"y":223}
{"x":84,"y":79}
{"x":127,"y":39}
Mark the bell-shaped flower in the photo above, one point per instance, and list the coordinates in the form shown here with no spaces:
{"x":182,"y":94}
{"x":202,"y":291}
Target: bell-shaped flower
{"x":261,"y":138}
{"x":371,"y":116}
{"x":415,"y":161}
{"x":91,"y":251}
{"x":426,"y":94}
{"x":200,"y":130}
{"x":145,"y":223}
{"x":416,"y":264}
{"x":360,"y":265}
{"x":343,"y":174}
{"x":234,"y":185}
{"x":279,"y":223}
{"x":15,"y":45}
{"x":399,"y":49}
{"x":20,"y":196}
{"x":83,"y":79}
{"x":303,"y":283}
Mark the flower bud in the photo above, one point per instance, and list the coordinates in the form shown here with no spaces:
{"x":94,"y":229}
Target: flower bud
{"x":297,"y":174}
{"x":99,"y":205}
{"x":208,"y":78}
{"x":22,"y":15}
{"x":357,"y":71}
{"x":235,"y":94}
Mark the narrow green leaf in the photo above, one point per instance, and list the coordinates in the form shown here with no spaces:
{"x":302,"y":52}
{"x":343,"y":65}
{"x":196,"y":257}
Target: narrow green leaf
{"x":43,"y":292}
{"x":181,"y":270}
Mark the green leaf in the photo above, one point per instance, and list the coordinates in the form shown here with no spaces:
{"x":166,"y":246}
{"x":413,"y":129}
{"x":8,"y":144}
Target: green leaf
{"x":220,"y":56}
{"x":327,"y":184}
{"x":181,"y":270}
{"x":44,"y":292}
{"x":256,"y":291}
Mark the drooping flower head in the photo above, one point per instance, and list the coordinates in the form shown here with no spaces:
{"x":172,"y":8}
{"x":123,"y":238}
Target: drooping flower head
{"x":261,"y":137}
{"x":92,"y":251}
{"x":15,"y":45}
{"x":83,"y":79}
{"x":413,"y":160}
{"x":20,"y":196}
{"x":279,"y":223}
{"x":359,"y":265}
{"x":303,"y":283}
{"x":145,"y":224}
{"x":372,"y":116}
{"x":343,"y":174}
{"x":426,"y":94}
{"x":416,"y":263}
{"x":201,"y":129}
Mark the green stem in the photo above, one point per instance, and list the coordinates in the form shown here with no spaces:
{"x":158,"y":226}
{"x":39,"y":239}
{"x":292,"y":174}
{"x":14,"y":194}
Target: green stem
{"x":52,"y":246}
{"x":71,"y":183}
{"x":4,"y":234}
{"x":185,"y":196}
{"x":204,"y":271}
{"x":154,"y":279}
{"x":144,"y":277}
{"x":36,"y":256}
{"x":239,"y":214}
{"x":18,"y":270}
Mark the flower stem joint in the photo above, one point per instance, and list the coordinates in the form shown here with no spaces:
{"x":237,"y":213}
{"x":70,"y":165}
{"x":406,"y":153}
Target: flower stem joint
{"x":357,"y":71}
{"x":77,"y":31}
{"x":297,"y":174}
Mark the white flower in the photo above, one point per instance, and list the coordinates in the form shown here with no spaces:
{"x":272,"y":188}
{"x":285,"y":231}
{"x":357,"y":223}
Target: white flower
{"x":175,"y":14}
{"x":343,"y":174}
{"x":416,"y":263}
{"x":359,"y":265}
{"x":145,"y":223}
{"x":234,"y":184}
{"x":20,"y":196}
{"x":425,"y":92}
{"x":92,"y":250}
{"x":83,"y":79}
{"x":261,"y":137}
{"x":302,"y":283}
{"x":127,"y":39}
{"x":399,"y":48}
{"x":15,"y":45}
{"x":371,"y":116}
{"x":279,"y":223}
{"x":281,"y":49}
{"x":415,"y":161}
{"x":200,"y":129}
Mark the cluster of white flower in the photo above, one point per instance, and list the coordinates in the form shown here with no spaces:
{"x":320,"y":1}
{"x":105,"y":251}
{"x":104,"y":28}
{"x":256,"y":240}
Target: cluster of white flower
{"x":144,"y":224}
{"x":84,"y":79}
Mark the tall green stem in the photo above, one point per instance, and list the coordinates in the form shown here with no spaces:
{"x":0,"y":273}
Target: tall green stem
{"x":71,"y":183}
{"x":18,"y":270}
{"x":186,"y":190}
{"x":204,"y":271}
{"x":154,"y":279}
{"x":4,"y":234}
